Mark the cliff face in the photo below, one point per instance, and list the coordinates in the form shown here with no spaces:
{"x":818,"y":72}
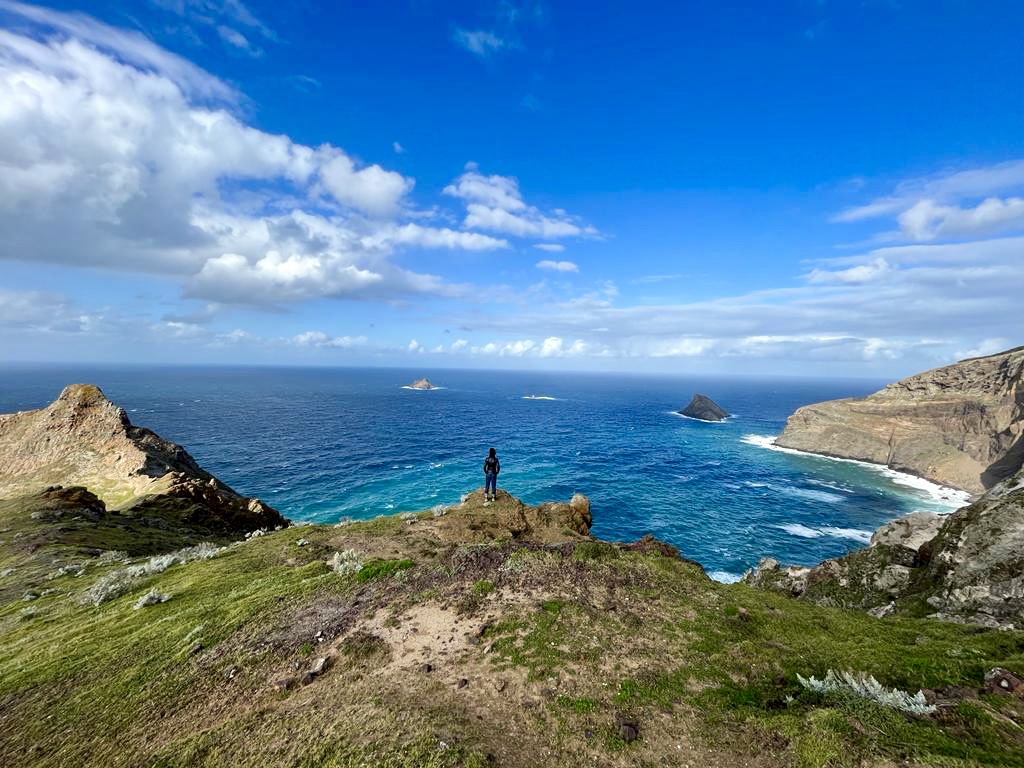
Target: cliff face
{"x":82,"y":439}
{"x":966,"y":567}
{"x":962,"y":425}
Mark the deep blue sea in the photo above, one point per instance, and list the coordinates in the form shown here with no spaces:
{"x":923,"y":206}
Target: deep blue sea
{"x":323,"y":444}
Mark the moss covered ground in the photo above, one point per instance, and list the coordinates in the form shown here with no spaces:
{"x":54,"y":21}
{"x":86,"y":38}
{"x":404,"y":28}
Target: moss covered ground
{"x":436,"y":653}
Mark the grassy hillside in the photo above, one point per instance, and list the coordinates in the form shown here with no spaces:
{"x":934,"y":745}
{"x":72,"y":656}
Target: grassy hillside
{"x":445,"y":641}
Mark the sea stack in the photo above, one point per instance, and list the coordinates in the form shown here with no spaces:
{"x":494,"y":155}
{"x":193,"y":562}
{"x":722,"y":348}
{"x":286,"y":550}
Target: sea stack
{"x":961,"y":425}
{"x":423,"y":383}
{"x":704,"y":408}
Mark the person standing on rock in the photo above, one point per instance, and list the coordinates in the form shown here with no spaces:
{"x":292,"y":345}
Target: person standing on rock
{"x":491,"y":469}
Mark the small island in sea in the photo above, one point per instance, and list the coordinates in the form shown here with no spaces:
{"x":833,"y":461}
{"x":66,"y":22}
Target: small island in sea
{"x":705,"y":409}
{"x":423,"y":384}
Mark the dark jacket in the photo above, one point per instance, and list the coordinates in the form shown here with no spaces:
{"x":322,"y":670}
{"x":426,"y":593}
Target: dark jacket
{"x":491,"y":464}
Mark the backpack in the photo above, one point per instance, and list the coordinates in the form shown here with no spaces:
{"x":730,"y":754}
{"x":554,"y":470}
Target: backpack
{"x":491,"y":464}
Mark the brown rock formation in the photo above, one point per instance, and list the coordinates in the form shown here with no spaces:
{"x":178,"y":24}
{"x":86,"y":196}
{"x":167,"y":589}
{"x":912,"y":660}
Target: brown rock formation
{"x":964,"y":567}
{"x":475,"y":520}
{"x":962,"y":425}
{"x":82,"y":439}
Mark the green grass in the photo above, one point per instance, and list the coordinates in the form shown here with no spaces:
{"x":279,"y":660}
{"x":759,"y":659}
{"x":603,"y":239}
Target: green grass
{"x":601,"y":631}
{"x":483,"y":587}
{"x":375,"y":569}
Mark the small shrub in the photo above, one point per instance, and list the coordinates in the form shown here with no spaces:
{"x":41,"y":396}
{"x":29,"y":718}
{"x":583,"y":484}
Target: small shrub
{"x":151,"y":598}
{"x":867,"y":687}
{"x":345,"y":563}
{"x":116,"y":583}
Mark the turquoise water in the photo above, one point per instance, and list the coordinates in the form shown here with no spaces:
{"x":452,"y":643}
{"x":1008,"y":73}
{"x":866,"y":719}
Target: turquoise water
{"x":323,"y":444}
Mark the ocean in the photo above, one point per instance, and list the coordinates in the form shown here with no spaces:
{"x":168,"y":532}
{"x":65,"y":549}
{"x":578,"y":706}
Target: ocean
{"x":330,"y":443}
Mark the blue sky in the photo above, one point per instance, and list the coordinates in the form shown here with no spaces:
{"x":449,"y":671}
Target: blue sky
{"x":797,"y":187}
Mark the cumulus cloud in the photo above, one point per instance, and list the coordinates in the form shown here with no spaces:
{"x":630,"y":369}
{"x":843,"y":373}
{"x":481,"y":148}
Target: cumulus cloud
{"x":959,"y":204}
{"x":478,"y":41}
{"x":550,"y":247}
{"x":370,"y":189}
{"x":494,"y":203}
{"x":558,"y":266}
{"x":321,"y":339}
{"x":118,"y":154}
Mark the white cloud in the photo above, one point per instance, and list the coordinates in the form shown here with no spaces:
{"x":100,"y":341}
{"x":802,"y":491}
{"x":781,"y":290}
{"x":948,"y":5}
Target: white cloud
{"x":478,"y":41}
{"x":321,"y":339}
{"x":863,"y":273}
{"x":954,"y":204}
{"x":399,"y":149}
{"x":216,"y":13}
{"x":495,"y":203}
{"x":414,"y":346}
{"x":131,"y":47}
{"x":987,"y":347}
{"x":927,"y":220}
{"x":370,"y":189}
{"x":117,"y":154}
{"x":923,"y":303}
{"x":237,"y":40}
{"x":550,"y":247}
{"x":558,"y":266}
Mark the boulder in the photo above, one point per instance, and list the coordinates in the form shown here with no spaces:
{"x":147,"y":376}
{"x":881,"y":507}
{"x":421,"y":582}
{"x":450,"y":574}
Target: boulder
{"x":910,"y":531}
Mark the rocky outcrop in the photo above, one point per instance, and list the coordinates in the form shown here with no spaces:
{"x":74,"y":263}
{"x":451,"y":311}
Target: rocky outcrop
{"x":962,"y":425}
{"x":966,"y":567}
{"x":705,"y":409}
{"x":82,"y":439}
{"x":476,"y":520}
{"x":423,"y":383}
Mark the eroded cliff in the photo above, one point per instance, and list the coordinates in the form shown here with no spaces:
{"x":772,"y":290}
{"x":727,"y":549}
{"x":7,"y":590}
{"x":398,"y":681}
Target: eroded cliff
{"x":84,"y":440}
{"x":962,"y":425}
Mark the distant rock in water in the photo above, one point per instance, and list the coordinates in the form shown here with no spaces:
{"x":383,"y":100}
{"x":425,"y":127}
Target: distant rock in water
{"x":83,"y":439}
{"x":962,"y":425}
{"x":423,"y":383}
{"x":705,"y":409}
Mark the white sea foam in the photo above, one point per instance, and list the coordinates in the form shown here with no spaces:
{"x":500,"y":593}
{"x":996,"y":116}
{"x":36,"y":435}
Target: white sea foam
{"x":833,"y":486}
{"x":700,"y":421}
{"x":940,"y":494}
{"x":805,"y":532}
{"x":802,"y":493}
{"x":810,"y":493}
{"x":540,"y":397}
{"x":420,"y":389}
{"x":724,"y":577}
